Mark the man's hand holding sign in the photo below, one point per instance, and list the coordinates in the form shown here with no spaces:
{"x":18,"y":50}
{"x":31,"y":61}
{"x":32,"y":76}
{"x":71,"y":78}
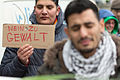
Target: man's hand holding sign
{"x":24,"y":53}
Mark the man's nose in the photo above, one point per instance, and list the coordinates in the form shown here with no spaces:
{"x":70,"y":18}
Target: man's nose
{"x":44,"y":11}
{"x":83,"y":32}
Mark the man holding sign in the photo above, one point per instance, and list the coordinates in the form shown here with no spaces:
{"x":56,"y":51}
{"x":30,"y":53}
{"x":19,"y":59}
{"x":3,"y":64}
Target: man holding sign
{"x":24,"y":61}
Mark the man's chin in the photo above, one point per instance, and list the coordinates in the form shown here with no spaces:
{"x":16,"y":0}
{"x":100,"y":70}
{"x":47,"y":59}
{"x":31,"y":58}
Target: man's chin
{"x":86,"y":51}
{"x":46,"y":22}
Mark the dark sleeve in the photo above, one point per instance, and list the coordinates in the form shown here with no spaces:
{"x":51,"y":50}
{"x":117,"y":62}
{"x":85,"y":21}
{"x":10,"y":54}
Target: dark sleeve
{"x":10,"y":65}
{"x":46,"y":69}
{"x":43,"y":70}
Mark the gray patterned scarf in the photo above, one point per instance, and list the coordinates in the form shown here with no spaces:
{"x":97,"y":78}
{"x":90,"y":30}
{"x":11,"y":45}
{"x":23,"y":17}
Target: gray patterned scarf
{"x":97,"y":67}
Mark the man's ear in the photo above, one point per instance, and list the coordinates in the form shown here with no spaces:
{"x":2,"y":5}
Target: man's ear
{"x":102,"y":24}
{"x":67,"y":32}
{"x":58,"y":10}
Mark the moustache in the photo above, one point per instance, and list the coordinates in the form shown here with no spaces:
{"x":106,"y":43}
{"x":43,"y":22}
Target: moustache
{"x":86,"y":38}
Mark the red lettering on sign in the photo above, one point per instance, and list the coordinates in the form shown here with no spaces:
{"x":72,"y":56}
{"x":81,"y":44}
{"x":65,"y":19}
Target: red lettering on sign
{"x":35,"y":39}
{"x":10,"y":29}
{"x":35,"y":28}
{"x":16,"y":36}
{"x":29,"y":37}
{"x":21,"y":28}
{"x":23,"y":36}
{"x":43,"y":36}
{"x":15,"y":28}
{"x":31,"y":28}
{"x":8,"y":38}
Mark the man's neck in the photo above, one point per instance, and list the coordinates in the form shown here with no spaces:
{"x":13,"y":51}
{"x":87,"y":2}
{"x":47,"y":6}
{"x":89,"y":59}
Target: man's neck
{"x":87,"y":55}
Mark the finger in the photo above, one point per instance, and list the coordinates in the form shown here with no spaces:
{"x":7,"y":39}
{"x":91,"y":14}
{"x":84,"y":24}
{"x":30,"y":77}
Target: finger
{"x":28,"y":52}
{"x":25,"y":57}
{"x":23,"y":47}
{"x":28,"y":55}
{"x":26,"y":49}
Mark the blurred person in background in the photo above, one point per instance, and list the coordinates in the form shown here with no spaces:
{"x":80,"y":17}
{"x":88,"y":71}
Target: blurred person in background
{"x":111,"y":22}
{"x":115,"y":8}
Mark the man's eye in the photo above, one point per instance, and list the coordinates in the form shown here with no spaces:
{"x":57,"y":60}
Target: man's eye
{"x":49,"y":7}
{"x":39,"y":7}
{"x":89,"y":26}
{"x":76,"y":28}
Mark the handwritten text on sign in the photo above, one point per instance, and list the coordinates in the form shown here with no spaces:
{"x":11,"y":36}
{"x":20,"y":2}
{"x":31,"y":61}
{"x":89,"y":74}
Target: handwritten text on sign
{"x":38,"y":36}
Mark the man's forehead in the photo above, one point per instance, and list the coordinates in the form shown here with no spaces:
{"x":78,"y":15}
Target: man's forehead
{"x":83,"y":21}
{"x":84,"y":13}
{"x":88,"y":14}
{"x":45,"y":1}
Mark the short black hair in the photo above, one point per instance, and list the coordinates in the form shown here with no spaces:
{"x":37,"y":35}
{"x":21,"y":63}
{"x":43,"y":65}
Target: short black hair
{"x":55,"y":1}
{"x":78,"y":6}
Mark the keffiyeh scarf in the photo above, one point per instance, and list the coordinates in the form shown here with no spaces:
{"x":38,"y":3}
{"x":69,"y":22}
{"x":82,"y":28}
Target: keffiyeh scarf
{"x":97,"y":67}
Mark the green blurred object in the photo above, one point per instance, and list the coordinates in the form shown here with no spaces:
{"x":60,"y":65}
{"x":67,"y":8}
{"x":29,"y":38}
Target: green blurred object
{"x":55,"y":77}
{"x":51,"y":77}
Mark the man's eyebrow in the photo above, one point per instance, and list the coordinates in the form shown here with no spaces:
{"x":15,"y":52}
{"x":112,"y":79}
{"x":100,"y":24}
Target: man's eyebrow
{"x":87,"y":23}
{"x":39,"y":5}
{"x":49,"y":5}
{"x":44,"y":5}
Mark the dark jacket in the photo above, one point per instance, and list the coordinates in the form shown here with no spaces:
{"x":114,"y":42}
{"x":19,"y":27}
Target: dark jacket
{"x":54,"y":64}
{"x":11,"y":65}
